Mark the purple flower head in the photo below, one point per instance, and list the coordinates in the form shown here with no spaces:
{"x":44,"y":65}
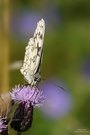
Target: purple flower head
{"x":3,"y":125}
{"x":26,"y":94}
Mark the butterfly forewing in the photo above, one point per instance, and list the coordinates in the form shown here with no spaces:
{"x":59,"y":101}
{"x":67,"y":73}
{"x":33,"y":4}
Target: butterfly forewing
{"x":33,"y":54}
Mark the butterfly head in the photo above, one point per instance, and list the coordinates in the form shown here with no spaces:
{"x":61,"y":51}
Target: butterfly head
{"x":33,"y":80}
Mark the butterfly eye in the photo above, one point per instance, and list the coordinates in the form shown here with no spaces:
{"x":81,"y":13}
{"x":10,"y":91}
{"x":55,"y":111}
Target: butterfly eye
{"x":35,"y":79}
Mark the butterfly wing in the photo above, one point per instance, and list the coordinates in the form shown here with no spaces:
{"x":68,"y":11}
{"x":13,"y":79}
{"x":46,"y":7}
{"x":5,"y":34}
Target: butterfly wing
{"x":33,"y":55}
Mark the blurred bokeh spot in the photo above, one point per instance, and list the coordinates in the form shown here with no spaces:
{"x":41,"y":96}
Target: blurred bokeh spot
{"x":58,"y":100}
{"x":85,"y":68}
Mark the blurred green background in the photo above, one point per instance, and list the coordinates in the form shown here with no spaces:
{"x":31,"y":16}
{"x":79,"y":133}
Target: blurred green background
{"x":65,"y":55}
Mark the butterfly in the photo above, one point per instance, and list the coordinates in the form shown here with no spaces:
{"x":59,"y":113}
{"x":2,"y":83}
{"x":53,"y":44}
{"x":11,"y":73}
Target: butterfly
{"x":33,"y":55}
{"x":22,"y":119}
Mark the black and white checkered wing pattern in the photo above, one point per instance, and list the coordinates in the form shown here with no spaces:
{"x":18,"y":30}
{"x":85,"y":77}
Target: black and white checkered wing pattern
{"x":33,"y":55}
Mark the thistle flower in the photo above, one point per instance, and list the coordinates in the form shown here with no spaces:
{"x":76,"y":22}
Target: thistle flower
{"x":27,"y":98}
{"x":3,"y":125}
{"x":27,"y":95}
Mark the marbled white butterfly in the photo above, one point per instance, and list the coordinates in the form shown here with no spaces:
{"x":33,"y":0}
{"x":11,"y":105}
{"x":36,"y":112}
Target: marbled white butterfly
{"x":33,"y":55}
